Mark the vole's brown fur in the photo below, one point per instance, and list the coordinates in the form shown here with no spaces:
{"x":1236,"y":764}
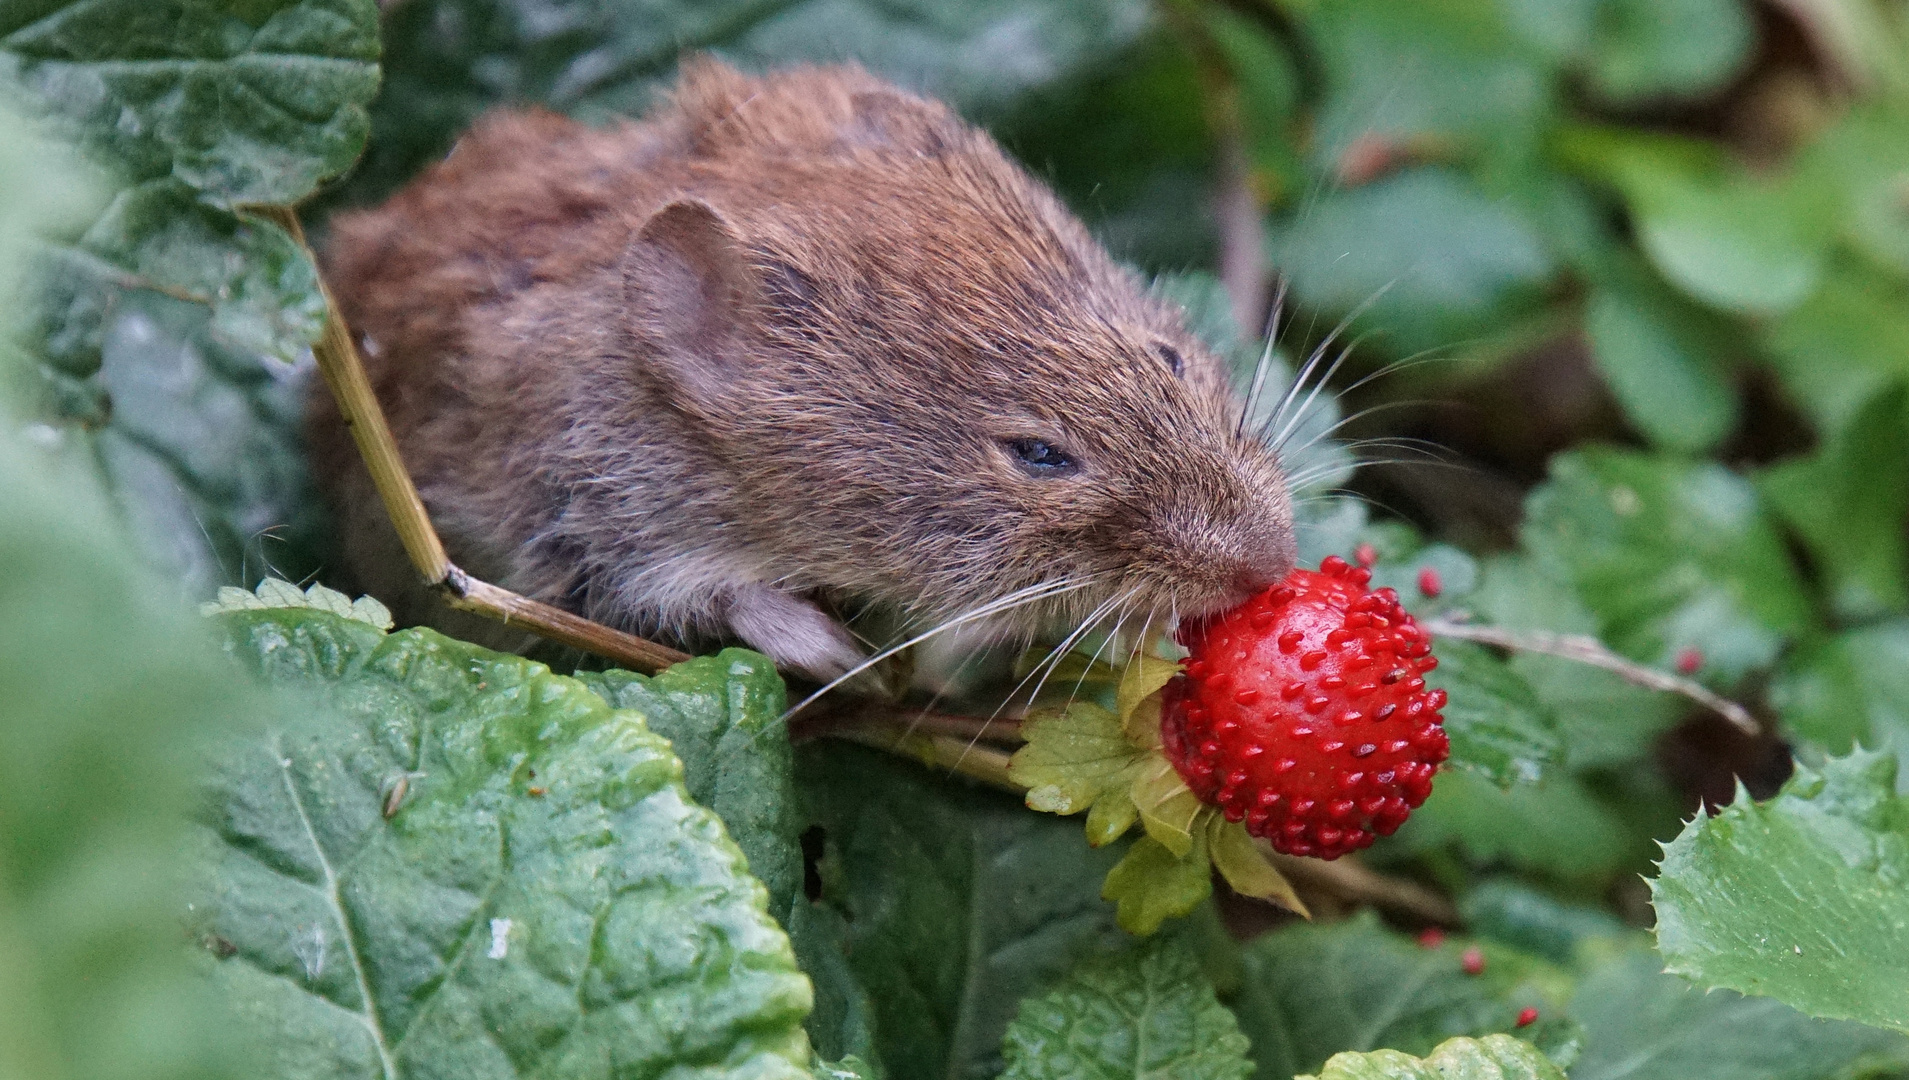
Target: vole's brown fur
{"x":774,"y":344}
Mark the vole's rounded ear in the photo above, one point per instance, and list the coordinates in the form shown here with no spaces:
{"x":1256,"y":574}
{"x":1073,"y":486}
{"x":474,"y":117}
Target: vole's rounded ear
{"x":689,"y":286}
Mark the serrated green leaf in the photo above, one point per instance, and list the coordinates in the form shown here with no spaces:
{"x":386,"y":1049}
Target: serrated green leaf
{"x":723,"y":717}
{"x":1850,"y":503}
{"x":1849,"y":689}
{"x":959,"y":903}
{"x":1668,"y":554}
{"x":110,"y":689}
{"x":1074,"y":758}
{"x":247,"y":102}
{"x":1498,"y":727}
{"x":1494,"y":1057}
{"x":1146,"y":1014}
{"x":1154,"y":883}
{"x":1643,"y":1025}
{"x":462,"y":865}
{"x":1312,"y":991}
{"x":274,"y":593}
{"x":1802,"y":898}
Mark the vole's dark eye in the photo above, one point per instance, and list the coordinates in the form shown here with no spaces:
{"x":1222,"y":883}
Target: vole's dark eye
{"x":1042,"y":458}
{"x":1174,"y":361}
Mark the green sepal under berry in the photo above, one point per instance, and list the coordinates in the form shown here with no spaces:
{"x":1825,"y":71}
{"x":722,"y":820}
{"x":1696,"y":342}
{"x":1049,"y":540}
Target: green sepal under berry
{"x":1083,"y":757}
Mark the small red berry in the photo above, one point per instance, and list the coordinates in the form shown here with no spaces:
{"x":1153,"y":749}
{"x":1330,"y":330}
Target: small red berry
{"x":1430,"y":583}
{"x":1527,"y":1016}
{"x":1365,"y":555}
{"x":1431,"y":938}
{"x":1473,"y":961}
{"x":1314,"y":727}
{"x":1689,"y":660}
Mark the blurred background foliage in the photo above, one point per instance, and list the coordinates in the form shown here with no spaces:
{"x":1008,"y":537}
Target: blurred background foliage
{"x":1628,"y":286}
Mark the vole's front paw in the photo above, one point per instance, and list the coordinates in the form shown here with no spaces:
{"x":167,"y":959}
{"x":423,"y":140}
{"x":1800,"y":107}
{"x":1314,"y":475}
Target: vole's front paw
{"x":793,"y":632}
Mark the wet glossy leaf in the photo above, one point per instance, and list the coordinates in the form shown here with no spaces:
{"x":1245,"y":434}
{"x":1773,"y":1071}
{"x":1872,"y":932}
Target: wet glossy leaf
{"x":461,"y":865}
{"x":1668,"y":554}
{"x":1801,"y":898}
{"x":1145,"y":1013}
{"x":1643,"y":1025}
{"x":1313,"y":991}
{"x":1494,"y":1057}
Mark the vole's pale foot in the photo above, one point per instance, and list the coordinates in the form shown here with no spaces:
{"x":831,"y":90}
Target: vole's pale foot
{"x":793,"y":632}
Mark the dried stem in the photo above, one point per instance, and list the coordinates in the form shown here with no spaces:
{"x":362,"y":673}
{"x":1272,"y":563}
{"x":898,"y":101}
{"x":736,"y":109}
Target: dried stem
{"x":344,"y":373}
{"x":1589,"y":650}
{"x":1349,"y":879}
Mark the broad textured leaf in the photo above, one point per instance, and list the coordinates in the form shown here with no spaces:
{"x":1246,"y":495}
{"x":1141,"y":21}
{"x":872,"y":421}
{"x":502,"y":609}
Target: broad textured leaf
{"x":1312,"y":991}
{"x":461,"y":865}
{"x":1850,"y":503}
{"x":959,"y":903}
{"x":1556,"y":828}
{"x":1438,"y":257}
{"x":1603,"y":720}
{"x":1494,"y":1057}
{"x":1804,"y":898}
{"x":171,"y":329}
{"x":1668,"y":554}
{"x":1641,"y":1024}
{"x":1498,"y":727}
{"x":842,"y":1024}
{"x":1662,"y":360}
{"x":1848,"y":689}
{"x":247,"y":101}
{"x":110,"y":691}
{"x":1147,"y":1014}
{"x":723,"y":717}
{"x":448,"y":60}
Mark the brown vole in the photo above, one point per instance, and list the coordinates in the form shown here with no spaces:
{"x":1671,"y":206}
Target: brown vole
{"x":787,"y":344}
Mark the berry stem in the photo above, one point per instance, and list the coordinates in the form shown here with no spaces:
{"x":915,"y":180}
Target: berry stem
{"x":1589,"y":650}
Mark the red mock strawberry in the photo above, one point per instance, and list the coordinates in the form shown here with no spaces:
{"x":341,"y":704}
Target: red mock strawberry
{"x":1303,"y":712}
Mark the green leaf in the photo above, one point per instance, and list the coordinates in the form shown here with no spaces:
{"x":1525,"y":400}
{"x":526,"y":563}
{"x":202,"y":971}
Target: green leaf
{"x":1603,"y":720}
{"x":1498,"y":727}
{"x":1848,"y":689}
{"x":1662,"y":359}
{"x":723,"y":717}
{"x":1494,"y":1057}
{"x":1667,"y":554}
{"x":246,"y":101}
{"x":172,"y":327}
{"x":111,"y":690}
{"x":1850,"y":503}
{"x":1556,"y":827}
{"x":842,"y":1024}
{"x":1312,"y":991}
{"x":1845,"y":344}
{"x":462,"y":865}
{"x":1643,"y":50}
{"x":449,"y":60}
{"x":1523,"y":917}
{"x":276,"y":593}
{"x":1147,"y":1014}
{"x":1152,"y":883}
{"x":1802,"y":898}
{"x":1738,"y":241}
{"x":1074,"y":759}
{"x":959,"y":903}
{"x":1643,"y":1025}
{"x":1438,"y":257}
